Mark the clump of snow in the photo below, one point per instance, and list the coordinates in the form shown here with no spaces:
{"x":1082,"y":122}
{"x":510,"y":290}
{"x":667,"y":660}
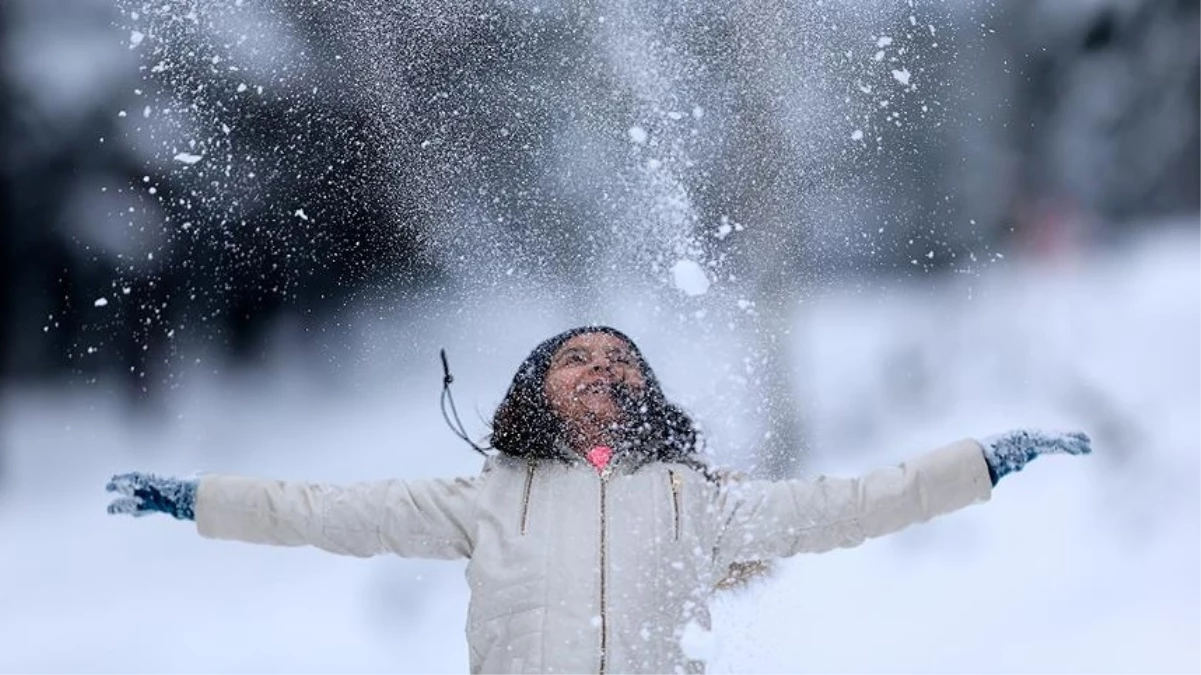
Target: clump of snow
{"x":902,"y":75}
{"x":100,"y":302}
{"x":188,"y":158}
{"x":637,"y":135}
{"x":689,"y":277}
{"x":698,"y":643}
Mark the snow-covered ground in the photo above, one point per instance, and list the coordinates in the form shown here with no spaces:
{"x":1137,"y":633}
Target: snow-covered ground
{"x":1076,"y":565}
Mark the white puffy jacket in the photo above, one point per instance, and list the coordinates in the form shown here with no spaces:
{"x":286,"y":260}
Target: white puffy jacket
{"x":572,"y":571}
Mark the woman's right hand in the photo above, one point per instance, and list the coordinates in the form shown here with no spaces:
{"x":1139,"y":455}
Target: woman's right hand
{"x":146,"y":493}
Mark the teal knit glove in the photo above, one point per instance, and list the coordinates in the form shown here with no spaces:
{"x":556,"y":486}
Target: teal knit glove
{"x":146,"y":493}
{"x":1012,"y":450}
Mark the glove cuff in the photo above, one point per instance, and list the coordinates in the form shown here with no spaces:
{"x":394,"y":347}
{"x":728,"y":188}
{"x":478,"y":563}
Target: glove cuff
{"x":185,"y":500}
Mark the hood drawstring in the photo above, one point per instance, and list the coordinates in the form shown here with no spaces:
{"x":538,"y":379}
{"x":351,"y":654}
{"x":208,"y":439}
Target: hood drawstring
{"x":459,"y":430}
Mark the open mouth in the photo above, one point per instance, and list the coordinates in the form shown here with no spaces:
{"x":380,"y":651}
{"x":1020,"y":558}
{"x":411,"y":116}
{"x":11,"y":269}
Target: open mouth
{"x":598,"y":387}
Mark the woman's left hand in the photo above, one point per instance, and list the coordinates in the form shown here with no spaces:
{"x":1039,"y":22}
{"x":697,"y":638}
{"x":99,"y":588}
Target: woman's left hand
{"x":1012,"y":450}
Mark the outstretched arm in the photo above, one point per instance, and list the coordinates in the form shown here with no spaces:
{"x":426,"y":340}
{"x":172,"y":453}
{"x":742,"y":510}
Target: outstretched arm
{"x":765,"y":519}
{"x":428,"y":519}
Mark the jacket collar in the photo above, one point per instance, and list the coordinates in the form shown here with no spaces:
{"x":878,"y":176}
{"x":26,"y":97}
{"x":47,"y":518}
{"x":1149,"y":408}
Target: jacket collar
{"x":623,"y":461}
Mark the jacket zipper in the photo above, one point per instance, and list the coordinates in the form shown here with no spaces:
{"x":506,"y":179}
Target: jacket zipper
{"x":604,"y":475}
{"x":674,"y":478}
{"x":525,"y":500}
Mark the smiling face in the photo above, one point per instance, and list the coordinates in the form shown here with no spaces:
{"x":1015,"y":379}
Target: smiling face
{"x":584,"y":376}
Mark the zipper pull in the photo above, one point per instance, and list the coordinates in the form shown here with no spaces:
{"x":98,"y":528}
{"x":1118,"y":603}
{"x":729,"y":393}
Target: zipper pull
{"x":599,"y":457}
{"x":676,"y":483}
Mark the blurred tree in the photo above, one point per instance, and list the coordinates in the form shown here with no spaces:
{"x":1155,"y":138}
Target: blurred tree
{"x":201,"y":221}
{"x":1104,"y":116}
{"x":8,"y":234}
{"x":8,"y":238}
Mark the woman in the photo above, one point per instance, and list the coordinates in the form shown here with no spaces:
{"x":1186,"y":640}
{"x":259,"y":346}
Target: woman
{"x":595,"y":535}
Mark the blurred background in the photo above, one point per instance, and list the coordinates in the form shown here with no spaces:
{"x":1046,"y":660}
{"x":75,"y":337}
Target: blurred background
{"x":237,"y":232}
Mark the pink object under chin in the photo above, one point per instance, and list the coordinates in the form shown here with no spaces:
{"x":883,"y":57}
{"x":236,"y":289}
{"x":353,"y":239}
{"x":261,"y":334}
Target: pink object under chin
{"x":599,"y":456}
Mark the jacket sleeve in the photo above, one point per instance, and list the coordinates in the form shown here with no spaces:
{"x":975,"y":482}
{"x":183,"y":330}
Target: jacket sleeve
{"x":772,"y":519}
{"x":421,"y":519}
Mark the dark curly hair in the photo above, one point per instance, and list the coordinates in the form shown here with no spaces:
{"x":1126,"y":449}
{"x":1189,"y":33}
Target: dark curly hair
{"x":656,"y":430}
